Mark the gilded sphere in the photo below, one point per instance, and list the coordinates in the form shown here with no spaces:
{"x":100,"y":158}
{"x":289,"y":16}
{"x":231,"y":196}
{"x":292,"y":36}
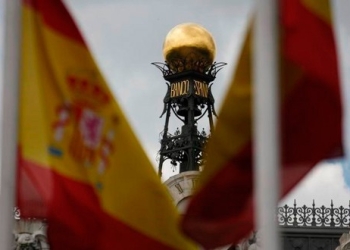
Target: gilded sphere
{"x":189,"y":39}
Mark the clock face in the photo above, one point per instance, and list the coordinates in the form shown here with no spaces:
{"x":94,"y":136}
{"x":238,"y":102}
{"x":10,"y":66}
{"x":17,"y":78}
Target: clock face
{"x":182,"y":186}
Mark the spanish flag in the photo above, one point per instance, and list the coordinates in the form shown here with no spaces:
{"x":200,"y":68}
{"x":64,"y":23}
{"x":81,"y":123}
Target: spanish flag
{"x":222,"y":211}
{"x":80,"y":166}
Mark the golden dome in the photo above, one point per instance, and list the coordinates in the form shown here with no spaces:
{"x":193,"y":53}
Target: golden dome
{"x":189,"y":40}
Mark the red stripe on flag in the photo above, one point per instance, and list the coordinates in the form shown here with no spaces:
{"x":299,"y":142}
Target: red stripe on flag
{"x":33,"y":190}
{"x":74,"y":206}
{"x":308,"y":41}
{"x":311,"y":122}
{"x":56,"y":16}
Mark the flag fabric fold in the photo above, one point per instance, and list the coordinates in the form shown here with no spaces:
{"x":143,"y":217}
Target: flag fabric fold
{"x":222,"y":211}
{"x":80,"y":166}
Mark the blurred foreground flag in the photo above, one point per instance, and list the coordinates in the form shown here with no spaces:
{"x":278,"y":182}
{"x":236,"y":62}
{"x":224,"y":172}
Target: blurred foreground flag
{"x":311,"y":117}
{"x":80,"y":165}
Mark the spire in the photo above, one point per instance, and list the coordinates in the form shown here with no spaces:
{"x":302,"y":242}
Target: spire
{"x":189,"y":71}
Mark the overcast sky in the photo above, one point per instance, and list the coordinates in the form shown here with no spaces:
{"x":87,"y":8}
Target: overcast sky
{"x":126,"y":36}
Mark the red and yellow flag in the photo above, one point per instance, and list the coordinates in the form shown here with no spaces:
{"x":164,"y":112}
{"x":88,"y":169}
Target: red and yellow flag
{"x":80,"y":165}
{"x":311,"y":117}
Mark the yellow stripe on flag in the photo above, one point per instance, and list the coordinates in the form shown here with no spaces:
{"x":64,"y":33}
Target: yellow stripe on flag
{"x":235,"y":117}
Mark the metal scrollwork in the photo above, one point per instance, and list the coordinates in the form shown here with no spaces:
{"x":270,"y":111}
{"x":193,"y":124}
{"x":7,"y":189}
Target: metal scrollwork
{"x":314,"y":216}
{"x":180,"y":65}
{"x":173,"y":146}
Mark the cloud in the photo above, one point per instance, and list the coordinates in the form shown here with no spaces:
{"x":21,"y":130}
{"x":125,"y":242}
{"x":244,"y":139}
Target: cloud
{"x":346,"y":171}
{"x":323,"y":184}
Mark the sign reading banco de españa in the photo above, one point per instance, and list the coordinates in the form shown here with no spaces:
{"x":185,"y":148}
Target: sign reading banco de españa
{"x":180,"y":88}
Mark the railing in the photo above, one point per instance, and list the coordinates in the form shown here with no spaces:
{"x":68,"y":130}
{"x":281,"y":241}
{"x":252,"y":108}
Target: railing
{"x":331,"y":217}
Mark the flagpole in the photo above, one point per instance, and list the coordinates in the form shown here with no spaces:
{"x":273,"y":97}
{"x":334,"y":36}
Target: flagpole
{"x":266,"y":127}
{"x":9,"y":122}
